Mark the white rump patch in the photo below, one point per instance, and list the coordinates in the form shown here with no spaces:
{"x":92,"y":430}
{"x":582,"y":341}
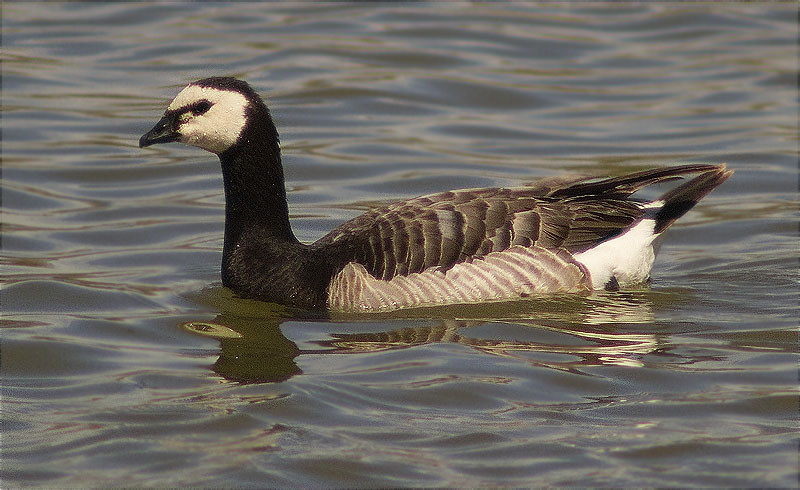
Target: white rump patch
{"x":627,"y":257}
{"x":217,"y":129}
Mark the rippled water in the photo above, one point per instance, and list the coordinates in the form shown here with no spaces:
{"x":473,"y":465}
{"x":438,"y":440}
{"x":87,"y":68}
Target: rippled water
{"x":124,"y":362}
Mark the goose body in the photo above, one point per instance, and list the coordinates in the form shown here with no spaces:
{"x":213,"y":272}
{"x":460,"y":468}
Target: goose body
{"x":463,"y":246}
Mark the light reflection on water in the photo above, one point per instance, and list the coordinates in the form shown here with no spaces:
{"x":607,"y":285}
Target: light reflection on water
{"x":245,"y":344}
{"x":111,"y":253}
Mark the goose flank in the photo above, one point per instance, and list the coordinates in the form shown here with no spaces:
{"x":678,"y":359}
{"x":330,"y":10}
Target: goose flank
{"x":565,"y":234}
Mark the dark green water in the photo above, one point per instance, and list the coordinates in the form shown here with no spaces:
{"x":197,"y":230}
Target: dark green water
{"x":111,"y":253}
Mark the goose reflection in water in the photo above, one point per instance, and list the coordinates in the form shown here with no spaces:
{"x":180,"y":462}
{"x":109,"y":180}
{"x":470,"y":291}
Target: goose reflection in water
{"x":583,"y":332}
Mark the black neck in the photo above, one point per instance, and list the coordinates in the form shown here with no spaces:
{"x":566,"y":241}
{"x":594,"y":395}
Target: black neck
{"x":261,"y":257}
{"x":255,"y":196}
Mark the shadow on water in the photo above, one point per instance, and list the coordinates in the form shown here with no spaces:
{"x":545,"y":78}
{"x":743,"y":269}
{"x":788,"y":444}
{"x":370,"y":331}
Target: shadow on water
{"x":602,"y":329}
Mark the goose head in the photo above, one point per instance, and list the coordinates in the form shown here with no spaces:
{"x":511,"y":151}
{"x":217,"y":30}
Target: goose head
{"x":211,"y":114}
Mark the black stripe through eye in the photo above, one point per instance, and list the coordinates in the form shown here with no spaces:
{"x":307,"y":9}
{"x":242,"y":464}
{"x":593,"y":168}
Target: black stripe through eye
{"x":200,"y":107}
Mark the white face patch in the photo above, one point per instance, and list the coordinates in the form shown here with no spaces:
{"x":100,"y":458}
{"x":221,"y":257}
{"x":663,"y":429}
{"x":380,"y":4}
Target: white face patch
{"x":216,"y":129}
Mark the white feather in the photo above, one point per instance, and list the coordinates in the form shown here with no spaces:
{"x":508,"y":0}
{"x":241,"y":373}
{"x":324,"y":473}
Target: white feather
{"x":220,"y":126}
{"x":628,"y":257}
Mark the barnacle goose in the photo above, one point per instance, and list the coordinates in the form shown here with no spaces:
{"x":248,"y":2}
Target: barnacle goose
{"x":463,"y":246}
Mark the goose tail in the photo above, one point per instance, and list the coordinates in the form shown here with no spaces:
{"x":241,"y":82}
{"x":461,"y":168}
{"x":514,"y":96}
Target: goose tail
{"x":627,"y":258}
{"x":675,"y":203}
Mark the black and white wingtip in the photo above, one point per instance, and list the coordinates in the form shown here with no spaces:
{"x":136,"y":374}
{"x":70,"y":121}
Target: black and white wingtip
{"x":628,"y":258}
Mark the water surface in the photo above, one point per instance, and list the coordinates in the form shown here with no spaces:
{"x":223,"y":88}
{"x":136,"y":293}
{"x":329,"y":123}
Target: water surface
{"x":125,"y":363}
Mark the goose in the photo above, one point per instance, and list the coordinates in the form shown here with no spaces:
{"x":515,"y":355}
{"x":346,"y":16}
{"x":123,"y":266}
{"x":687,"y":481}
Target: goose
{"x":557,"y":235}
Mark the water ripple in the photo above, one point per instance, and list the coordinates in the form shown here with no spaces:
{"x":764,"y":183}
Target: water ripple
{"x":115,"y":372}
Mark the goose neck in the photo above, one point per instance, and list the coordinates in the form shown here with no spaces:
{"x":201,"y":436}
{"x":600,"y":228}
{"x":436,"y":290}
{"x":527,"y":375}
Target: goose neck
{"x":255,"y":196}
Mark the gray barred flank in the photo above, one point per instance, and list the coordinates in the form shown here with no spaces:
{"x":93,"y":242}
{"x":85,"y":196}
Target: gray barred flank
{"x":512,"y":268}
{"x":505,"y":281}
{"x":481,"y":277}
{"x":509,"y":274}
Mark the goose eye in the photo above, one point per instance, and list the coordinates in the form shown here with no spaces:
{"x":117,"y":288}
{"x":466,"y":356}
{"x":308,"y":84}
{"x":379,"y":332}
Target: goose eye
{"x":200,"y":107}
